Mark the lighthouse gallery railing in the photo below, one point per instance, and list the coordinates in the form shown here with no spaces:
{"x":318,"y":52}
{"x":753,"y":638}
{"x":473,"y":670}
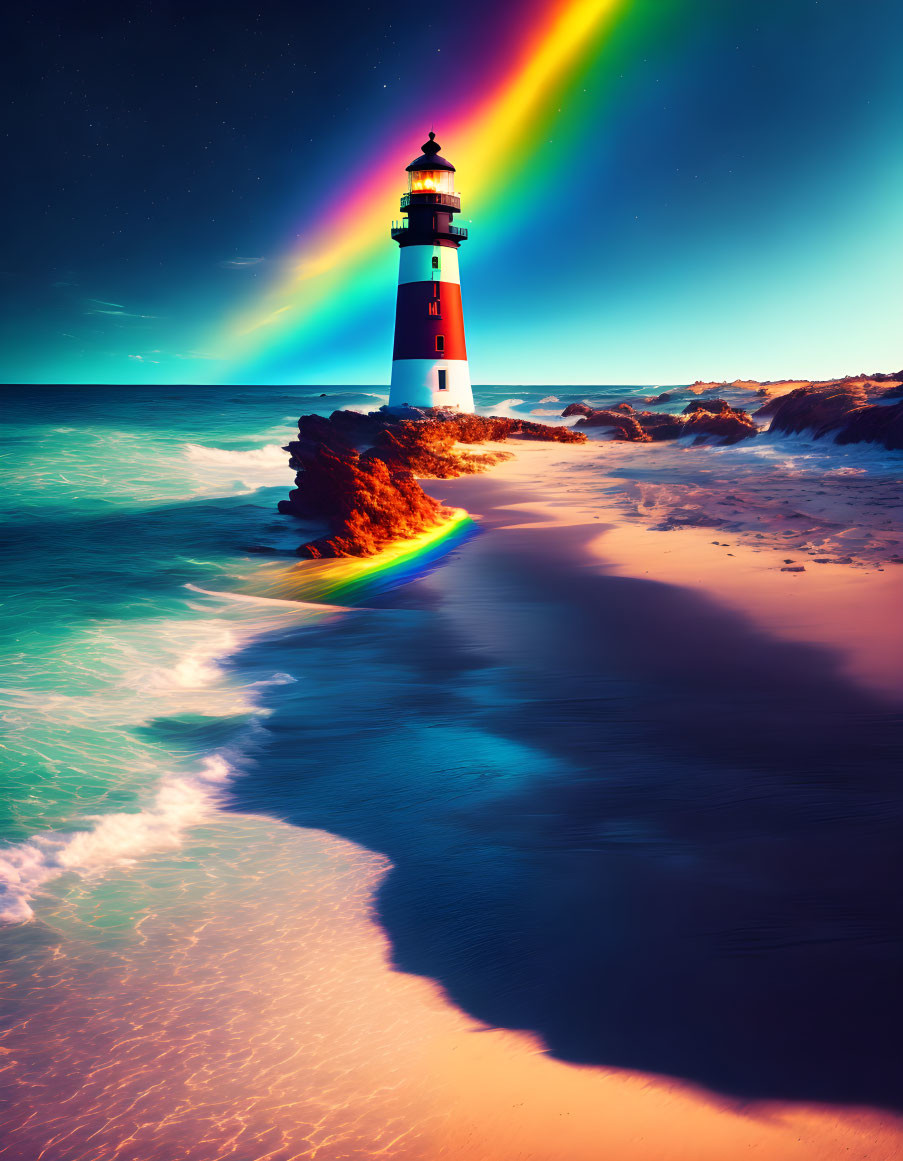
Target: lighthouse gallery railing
{"x":403,"y":225}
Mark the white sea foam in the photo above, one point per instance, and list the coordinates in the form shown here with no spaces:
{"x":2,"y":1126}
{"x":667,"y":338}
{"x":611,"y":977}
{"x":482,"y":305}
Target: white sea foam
{"x":271,"y":456}
{"x":801,"y":452}
{"x":162,"y":667}
{"x":115,"y":840}
{"x":225,"y":471}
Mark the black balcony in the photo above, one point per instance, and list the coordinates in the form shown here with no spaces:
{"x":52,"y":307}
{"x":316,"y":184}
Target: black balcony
{"x":445,"y":201}
{"x":403,"y":232}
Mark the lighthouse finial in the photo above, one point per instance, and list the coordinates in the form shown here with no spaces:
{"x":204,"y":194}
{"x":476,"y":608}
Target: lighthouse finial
{"x":432,"y":146}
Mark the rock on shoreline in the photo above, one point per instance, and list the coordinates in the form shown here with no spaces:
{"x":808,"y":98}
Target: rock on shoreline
{"x":713,"y":419}
{"x":356,"y":473}
{"x":850,"y":412}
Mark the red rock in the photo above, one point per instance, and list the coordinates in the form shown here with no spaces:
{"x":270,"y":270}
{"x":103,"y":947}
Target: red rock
{"x":819,"y":409}
{"x":727,"y":426}
{"x":625,"y":426}
{"x":367,"y":498}
{"x":879,"y":423}
{"x":714,"y":418}
{"x":661,"y":425}
{"x":715,"y":406}
{"x":844,"y":410}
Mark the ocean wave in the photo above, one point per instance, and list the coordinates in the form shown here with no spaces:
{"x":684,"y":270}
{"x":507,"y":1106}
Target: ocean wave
{"x":163,"y":669}
{"x":116,"y":840}
{"x":232,"y":472}
{"x":268,"y":456}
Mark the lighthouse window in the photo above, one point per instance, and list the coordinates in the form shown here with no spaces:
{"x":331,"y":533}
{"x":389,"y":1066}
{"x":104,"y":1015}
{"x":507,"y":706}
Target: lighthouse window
{"x":430,"y":181}
{"x":440,"y":342}
{"x":434,"y":309}
{"x":443,"y":376}
{"x":435,"y":261}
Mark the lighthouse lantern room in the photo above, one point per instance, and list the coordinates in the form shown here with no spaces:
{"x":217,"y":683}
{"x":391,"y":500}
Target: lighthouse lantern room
{"x":429,"y":363}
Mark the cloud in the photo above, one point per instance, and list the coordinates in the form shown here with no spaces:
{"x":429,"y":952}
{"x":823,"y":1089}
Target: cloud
{"x":101,"y":306}
{"x":121,"y":313}
{"x":240,"y":263}
{"x":144,"y":357}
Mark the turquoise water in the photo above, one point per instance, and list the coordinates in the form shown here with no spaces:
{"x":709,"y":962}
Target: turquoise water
{"x":119,"y":504}
{"x":128,"y":512}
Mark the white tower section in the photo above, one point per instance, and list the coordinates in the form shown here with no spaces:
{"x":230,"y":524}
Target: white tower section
{"x":439,"y":381}
{"x":429,"y":361}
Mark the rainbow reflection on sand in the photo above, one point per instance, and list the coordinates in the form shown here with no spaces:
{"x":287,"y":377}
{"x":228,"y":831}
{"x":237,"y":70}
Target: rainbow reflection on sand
{"x":350,"y":580}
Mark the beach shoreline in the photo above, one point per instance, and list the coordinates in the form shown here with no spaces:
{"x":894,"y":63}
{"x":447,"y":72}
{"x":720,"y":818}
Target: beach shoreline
{"x":846,"y":605}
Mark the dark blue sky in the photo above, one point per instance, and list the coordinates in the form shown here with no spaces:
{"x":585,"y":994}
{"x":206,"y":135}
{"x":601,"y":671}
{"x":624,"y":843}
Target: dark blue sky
{"x":719,"y":196}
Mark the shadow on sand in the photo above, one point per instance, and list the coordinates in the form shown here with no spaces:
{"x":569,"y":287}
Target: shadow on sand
{"x":619,"y":816}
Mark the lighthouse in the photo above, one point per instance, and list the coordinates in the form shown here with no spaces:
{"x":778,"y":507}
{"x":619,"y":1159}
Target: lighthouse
{"x":429,"y":362}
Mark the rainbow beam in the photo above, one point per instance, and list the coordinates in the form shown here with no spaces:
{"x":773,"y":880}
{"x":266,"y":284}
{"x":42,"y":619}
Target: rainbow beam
{"x":346,"y":262}
{"x":352,"y":580}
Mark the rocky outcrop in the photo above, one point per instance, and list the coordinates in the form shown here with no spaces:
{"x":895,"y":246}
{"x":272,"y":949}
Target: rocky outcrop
{"x":716,"y":406}
{"x":877,"y":423}
{"x":356,"y":473}
{"x":715,"y":419}
{"x":624,"y":426}
{"x":711,"y":419}
{"x":815,"y":408}
{"x":849,"y":412}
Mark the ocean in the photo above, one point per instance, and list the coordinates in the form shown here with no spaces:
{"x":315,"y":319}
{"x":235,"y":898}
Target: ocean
{"x":228,"y":817}
{"x":134,"y":518}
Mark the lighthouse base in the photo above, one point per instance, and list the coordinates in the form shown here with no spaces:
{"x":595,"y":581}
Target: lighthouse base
{"x":431,"y":383}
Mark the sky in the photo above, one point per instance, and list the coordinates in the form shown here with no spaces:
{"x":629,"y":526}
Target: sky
{"x":657,"y":191}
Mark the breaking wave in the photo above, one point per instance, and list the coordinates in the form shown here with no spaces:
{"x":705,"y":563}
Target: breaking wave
{"x":271,"y":456}
{"x":116,"y":840}
{"x":173,"y":679}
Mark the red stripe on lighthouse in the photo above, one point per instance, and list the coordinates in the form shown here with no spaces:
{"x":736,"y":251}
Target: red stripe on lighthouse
{"x":417,"y":329}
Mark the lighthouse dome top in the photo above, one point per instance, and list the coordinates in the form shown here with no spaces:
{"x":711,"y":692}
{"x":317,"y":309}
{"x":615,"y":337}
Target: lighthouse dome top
{"x":430,"y":158}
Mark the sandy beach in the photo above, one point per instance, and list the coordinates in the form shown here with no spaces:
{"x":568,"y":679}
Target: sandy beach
{"x":800,"y":539}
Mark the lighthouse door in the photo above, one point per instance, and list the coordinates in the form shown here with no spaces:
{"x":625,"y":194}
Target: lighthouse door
{"x":442,"y":379}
